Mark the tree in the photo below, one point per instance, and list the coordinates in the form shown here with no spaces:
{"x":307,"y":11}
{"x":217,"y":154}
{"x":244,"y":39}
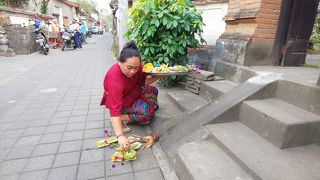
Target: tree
{"x":44,"y":6}
{"x":164,"y":30}
{"x":89,"y":6}
{"x":14,"y":3}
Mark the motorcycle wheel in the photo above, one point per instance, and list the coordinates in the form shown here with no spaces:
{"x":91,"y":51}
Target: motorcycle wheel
{"x":44,"y":50}
{"x":63,"y":46}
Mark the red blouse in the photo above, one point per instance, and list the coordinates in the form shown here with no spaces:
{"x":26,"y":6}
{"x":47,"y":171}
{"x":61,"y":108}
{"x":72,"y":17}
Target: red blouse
{"x":121,"y":91}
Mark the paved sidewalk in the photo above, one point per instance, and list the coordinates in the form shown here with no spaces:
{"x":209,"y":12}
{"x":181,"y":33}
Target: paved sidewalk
{"x":50,"y":118}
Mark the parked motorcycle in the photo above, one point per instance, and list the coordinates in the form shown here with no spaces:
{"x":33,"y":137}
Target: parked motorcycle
{"x":68,"y":39}
{"x":89,"y":34}
{"x":41,"y":41}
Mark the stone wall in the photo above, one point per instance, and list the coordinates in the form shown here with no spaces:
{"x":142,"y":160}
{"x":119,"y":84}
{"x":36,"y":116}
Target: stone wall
{"x":250,"y":32}
{"x":4,"y":44}
{"x":21,"y":39}
{"x":200,"y":56}
{"x":21,"y":13}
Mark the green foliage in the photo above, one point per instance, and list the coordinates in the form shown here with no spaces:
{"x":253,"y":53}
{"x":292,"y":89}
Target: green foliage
{"x":44,"y":6}
{"x":310,"y":65}
{"x":2,"y":3}
{"x":89,"y":6}
{"x":315,"y":37}
{"x":164,"y":30}
{"x":14,"y":3}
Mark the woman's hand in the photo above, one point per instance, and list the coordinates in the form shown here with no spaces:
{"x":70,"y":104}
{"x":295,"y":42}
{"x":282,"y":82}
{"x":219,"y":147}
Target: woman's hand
{"x":123,"y":141}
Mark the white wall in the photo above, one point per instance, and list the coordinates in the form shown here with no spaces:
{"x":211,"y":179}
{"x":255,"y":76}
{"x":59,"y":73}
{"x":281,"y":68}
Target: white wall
{"x":213,"y":15}
{"x":121,"y":24}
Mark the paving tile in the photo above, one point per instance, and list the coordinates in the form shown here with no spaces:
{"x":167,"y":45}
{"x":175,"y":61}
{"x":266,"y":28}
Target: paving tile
{"x":95,"y":124}
{"x":3,"y":153}
{"x":44,"y":115}
{"x":94,"y":133}
{"x":55,"y":128}
{"x":25,"y":118}
{"x":31,"y":111}
{"x":93,"y":155}
{"x":118,"y":169}
{"x":34,"y":131}
{"x":51,"y":138}
{"x":11,"y":177}
{"x":63,"y":173}
{"x":12,"y":133}
{"x":81,"y":107}
{"x":144,"y":162}
{"x":95,"y":117}
{"x":95,"y":111}
{"x":12,"y":166}
{"x":72,"y":135}
{"x":91,"y":170}
{"x":70,"y":146}
{"x":40,"y":122}
{"x":79,"y":112}
{"x":67,"y":159}
{"x":128,"y":176}
{"x":146,"y":151}
{"x":61,"y":120}
{"x":19,"y":125}
{"x":19,"y":152}
{"x":48,"y":110}
{"x":34,"y":175}
{"x":62,"y":114}
{"x":90,"y":143}
{"x":146,"y":174}
{"x":74,"y":119}
{"x":75,"y":126}
{"x":64,"y":108}
{"x":39,"y":163}
{"x":28,"y":141}
{"x":46,"y":149}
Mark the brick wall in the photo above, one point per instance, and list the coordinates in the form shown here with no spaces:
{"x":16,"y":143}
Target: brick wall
{"x":267,"y":21}
{"x":254,"y":20}
{"x":21,"y":39}
{"x":250,"y":31}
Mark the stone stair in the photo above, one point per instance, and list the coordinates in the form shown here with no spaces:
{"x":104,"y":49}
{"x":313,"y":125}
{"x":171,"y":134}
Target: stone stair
{"x":262,"y":159}
{"x":279,"y":122}
{"x":247,"y":132}
{"x":186,"y":101}
{"x":199,"y":155}
{"x":211,"y":90}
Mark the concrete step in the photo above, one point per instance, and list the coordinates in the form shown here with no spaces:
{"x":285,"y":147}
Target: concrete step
{"x":205,"y":160}
{"x":261,"y":158}
{"x":299,"y":95}
{"x":281,"y":123}
{"x":210,"y":90}
{"x":186,"y":101}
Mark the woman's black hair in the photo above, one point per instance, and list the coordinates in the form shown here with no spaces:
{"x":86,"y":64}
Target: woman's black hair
{"x":129,"y":50}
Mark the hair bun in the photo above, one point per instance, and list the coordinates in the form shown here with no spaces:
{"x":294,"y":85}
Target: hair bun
{"x":130,"y":45}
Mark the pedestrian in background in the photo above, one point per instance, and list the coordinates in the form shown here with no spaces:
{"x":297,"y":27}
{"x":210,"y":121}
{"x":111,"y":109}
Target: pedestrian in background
{"x":83,"y":30}
{"x":76,"y":29}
